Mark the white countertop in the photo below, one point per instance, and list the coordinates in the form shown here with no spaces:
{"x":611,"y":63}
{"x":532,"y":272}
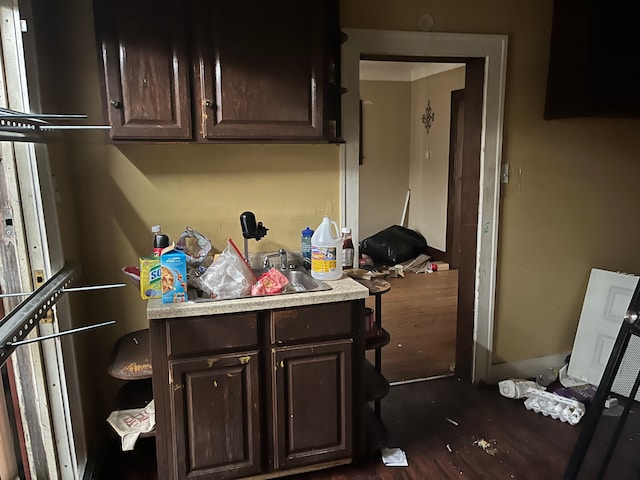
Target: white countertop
{"x":342,"y":290}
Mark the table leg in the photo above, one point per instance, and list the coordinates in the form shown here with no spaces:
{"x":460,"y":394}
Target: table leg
{"x":378,"y":352}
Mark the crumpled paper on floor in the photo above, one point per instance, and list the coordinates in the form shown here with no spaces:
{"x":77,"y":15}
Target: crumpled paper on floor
{"x":129,"y":424}
{"x":394,"y":457}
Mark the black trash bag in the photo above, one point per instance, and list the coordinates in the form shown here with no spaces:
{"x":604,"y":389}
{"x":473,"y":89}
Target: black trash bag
{"x":394,"y":245}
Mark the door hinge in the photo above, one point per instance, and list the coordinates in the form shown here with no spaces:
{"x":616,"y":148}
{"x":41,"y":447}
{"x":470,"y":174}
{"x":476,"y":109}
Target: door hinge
{"x":7,"y":221}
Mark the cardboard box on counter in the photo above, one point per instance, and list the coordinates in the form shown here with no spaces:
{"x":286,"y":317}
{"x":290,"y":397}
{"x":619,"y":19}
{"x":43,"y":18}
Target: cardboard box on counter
{"x":439,"y":266}
{"x":150,"y":277}
{"x":174,"y":276}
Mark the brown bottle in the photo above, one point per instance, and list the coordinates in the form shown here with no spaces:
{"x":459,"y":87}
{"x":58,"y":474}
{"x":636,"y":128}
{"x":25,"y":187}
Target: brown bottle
{"x":347,"y":249}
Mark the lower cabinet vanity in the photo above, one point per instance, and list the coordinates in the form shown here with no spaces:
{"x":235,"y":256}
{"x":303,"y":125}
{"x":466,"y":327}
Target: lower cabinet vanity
{"x":259,"y":387}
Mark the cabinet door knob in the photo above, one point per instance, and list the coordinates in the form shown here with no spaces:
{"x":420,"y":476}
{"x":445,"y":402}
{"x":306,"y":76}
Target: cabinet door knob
{"x":208,"y":103}
{"x":116,"y":103}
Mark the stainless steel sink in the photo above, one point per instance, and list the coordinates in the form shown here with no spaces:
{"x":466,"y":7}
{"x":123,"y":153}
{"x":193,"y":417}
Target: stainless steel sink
{"x":299,"y":281}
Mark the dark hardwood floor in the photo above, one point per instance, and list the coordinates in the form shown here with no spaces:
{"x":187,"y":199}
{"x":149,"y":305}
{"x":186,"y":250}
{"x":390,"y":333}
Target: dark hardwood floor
{"x":523,"y":444}
{"x":419,"y":312}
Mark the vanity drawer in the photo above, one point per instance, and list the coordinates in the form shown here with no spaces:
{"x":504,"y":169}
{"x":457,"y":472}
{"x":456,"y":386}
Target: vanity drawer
{"x":333,"y":319}
{"x":207,"y":334}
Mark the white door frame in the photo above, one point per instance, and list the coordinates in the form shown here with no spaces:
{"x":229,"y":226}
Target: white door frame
{"x":493,"y":48}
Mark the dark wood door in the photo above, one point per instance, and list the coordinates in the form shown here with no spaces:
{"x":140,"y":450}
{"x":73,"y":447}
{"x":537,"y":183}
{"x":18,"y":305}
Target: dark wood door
{"x":145,"y":68}
{"x":313,"y":407}
{"x":260,"y":69}
{"x":456,"y":199}
{"x":216,"y":408}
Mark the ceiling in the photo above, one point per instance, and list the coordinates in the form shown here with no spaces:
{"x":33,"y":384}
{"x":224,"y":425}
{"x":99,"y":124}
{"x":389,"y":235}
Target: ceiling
{"x":402,"y":71}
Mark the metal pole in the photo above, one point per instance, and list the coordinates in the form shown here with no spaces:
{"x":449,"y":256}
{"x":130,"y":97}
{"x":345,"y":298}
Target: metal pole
{"x":21,"y":320}
{"x":60,"y":334}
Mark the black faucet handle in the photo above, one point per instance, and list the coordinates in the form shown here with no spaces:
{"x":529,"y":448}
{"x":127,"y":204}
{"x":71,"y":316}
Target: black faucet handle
{"x":261,"y":231}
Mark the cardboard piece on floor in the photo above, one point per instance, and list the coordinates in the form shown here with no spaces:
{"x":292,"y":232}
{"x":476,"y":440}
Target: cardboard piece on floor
{"x":567,"y":381}
{"x":394,"y":457}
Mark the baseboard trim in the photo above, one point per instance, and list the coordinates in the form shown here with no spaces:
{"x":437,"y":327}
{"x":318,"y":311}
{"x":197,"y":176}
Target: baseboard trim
{"x":528,"y":368}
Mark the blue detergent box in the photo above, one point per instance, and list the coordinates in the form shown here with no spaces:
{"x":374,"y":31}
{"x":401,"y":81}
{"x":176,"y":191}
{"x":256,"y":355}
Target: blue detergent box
{"x":174,"y":276}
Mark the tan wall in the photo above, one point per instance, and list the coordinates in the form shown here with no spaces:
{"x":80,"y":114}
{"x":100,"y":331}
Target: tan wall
{"x":384,"y":173}
{"x":571,"y":199}
{"x":429,"y":171}
{"x":122,"y":191}
{"x":567,"y":208}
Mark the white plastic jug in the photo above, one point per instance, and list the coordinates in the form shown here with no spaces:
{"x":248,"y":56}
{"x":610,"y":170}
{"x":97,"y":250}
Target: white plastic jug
{"x":326,"y":251}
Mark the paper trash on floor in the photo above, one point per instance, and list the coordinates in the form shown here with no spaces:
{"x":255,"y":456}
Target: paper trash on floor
{"x":129,"y":424}
{"x":394,"y":457}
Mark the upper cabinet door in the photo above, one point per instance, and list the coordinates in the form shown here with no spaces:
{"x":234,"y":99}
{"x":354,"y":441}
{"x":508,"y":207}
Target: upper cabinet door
{"x":260,"y":69}
{"x":145,"y":63}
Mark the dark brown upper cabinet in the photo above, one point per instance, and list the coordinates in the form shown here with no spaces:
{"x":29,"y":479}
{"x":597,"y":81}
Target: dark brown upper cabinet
{"x":146,"y":69}
{"x":259,"y":71}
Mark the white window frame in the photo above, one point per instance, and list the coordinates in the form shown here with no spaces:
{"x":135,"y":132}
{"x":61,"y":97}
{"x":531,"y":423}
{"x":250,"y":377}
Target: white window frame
{"x":46,"y":375}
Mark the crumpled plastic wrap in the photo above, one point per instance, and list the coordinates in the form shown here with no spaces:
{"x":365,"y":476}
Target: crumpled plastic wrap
{"x":228,"y":276}
{"x":197,"y":248}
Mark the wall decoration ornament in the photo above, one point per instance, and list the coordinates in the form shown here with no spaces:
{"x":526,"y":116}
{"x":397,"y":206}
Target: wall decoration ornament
{"x":428,"y":116}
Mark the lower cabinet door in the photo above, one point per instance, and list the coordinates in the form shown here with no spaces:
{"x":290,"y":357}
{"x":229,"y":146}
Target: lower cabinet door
{"x":215,"y":400}
{"x":313,"y":406}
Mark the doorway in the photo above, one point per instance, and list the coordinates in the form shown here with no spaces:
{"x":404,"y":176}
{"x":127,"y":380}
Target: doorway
{"x":405,"y":180}
{"x":488,"y":54}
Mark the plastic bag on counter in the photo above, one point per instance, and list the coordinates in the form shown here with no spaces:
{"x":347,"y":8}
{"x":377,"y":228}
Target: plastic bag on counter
{"x":228,"y":276}
{"x":198,"y":250}
{"x":270,"y":283}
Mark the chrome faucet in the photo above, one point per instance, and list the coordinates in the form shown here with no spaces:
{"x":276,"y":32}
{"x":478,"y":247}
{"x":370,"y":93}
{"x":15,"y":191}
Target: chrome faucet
{"x":283,"y":259}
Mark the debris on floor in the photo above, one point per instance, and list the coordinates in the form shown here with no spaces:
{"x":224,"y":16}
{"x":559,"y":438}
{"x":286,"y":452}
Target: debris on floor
{"x":555,"y":406}
{"x":516,"y":387}
{"x":452,"y":422}
{"x":394,"y":457}
{"x":615,"y":411}
{"x":129,"y":424}
{"x":449,"y":448}
{"x":487,"y":446}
